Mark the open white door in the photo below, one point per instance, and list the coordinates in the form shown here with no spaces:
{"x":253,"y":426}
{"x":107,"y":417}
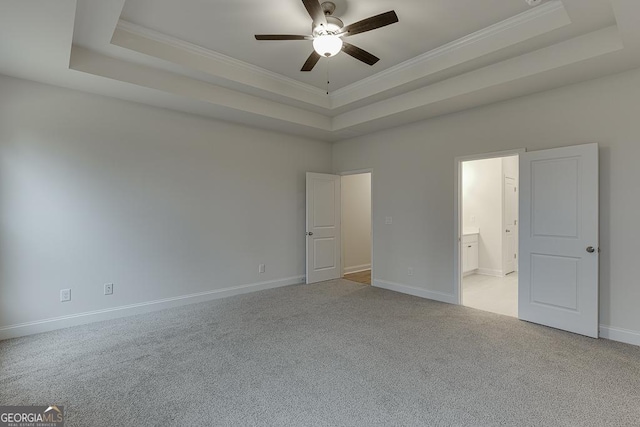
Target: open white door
{"x":323,"y":227}
{"x":558,"y":279}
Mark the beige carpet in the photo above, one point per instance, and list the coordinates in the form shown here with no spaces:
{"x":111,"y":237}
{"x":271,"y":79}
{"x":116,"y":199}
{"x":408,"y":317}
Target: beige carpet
{"x":331,"y":354}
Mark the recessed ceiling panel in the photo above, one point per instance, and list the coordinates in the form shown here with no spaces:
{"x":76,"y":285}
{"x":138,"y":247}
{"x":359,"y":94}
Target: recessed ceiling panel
{"x":228,"y":27}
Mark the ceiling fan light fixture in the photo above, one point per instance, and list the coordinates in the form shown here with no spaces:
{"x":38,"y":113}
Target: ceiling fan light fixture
{"x":327,"y":45}
{"x":327,"y":32}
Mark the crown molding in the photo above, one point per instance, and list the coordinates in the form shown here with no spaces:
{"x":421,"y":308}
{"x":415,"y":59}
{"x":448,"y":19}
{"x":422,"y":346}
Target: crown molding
{"x":238,"y":69}
{"x":569,"y":54}
{"x":549,"y":16}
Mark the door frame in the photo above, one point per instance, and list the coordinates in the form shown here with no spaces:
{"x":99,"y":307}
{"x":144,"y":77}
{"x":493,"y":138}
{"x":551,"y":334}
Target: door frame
{"x":505,"y":225}
{"x":457,"y":260}
{"x":356,"y":172}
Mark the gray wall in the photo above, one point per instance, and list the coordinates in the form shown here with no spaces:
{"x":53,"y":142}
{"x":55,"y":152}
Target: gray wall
{"x":414,"y":175}
{"x":163,"y":204}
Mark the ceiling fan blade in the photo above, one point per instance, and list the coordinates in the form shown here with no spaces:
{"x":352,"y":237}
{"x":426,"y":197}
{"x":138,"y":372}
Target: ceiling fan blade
{"x":312,"y":60}
{"x":369,"y":24}
{"x":282,"y":37}
{"x":315,"y":11}
{"x":359,"y":54}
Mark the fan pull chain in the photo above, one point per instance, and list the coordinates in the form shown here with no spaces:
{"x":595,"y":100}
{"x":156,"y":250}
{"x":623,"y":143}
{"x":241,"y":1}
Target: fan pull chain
{"x":328,"y":60}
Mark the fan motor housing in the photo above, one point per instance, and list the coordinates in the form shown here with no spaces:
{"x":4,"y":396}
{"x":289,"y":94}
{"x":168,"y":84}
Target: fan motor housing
{"x":334,"y":24}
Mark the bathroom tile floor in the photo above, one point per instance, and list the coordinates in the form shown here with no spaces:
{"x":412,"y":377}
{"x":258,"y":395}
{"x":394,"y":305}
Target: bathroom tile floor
{"x":489,"y":293}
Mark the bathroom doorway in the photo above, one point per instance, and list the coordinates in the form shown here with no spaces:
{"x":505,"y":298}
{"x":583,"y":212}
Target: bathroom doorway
{"x":488,"y":214}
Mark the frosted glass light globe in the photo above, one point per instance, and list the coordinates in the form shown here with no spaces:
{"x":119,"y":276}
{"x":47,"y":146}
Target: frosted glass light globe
{"x":327,"y":45}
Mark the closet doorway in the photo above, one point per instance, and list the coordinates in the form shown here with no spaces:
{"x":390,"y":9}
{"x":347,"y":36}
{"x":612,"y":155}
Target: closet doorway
{"x":356,"y":227}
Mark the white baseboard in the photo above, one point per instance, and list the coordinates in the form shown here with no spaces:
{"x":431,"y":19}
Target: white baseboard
{"x":418,"y":292}
{"x":28,"y":328}
{"x":619,"y":334}
{"x":357,"y":268}
{"x":45,"y":325}
{"x":490,"y":272}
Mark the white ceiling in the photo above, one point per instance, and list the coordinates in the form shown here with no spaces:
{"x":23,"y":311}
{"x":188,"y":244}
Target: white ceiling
{"x":200,"y":56}
{"x":228,"y":27}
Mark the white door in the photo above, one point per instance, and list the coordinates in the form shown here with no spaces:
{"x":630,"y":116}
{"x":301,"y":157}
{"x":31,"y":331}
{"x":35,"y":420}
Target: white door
{"x":558,"y":282}
{"x":510,"y":225}
{"x":323,"y":227}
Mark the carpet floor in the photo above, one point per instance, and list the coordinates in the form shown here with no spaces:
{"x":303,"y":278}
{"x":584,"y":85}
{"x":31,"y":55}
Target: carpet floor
{"x":335,"y":353}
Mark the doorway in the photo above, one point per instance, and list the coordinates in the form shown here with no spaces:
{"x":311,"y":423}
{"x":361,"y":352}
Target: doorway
{"x":557,"y":241}
{"x":356,"y":227}
{"x":489,"y":234}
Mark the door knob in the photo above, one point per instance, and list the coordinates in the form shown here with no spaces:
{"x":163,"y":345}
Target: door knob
{"x":508,"y":231}
{"x":591,"y":249}
{"x":310,"y":233}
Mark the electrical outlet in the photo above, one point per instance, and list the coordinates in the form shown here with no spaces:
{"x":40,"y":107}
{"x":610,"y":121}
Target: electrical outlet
{"x":388,"y":220}
{"x":261,"y":268}
{"x":65,"y":295}
{"x":410,"y":271}
{"x":108,"y":288}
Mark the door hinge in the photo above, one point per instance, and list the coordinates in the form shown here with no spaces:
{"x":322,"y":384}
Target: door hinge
{"x":515,"y":189}
{"x":515,"y":256}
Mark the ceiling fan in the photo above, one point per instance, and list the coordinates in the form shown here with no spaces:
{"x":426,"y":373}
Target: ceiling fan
{"x":327,"y":32}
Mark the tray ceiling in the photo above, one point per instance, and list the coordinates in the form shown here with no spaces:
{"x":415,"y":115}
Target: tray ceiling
{"x":199,"y":56}
{"x":228,"y":27}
